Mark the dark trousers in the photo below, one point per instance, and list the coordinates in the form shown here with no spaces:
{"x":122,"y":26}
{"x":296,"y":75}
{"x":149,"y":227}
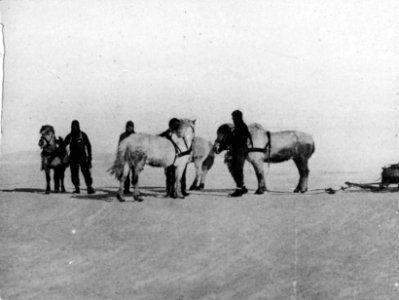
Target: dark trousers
{"x":238,"y":158}
{"x":170,"y":180}
{"x":84,"y":167}
{"x":127,"y":182}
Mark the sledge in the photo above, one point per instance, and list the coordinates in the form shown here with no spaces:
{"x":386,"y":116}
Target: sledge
{"x":389,"y":175}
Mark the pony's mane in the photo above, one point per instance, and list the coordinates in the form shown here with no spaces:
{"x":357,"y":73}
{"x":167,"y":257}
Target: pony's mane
{"x":188,"y":122}
{"x":256,"y":126}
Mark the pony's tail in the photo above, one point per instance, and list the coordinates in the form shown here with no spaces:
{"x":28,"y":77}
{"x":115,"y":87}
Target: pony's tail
{"x":120,"y":161}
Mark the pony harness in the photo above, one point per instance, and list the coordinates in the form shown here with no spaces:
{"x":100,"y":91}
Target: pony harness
{"x":178,"y":151}
{"x":267,"y":147}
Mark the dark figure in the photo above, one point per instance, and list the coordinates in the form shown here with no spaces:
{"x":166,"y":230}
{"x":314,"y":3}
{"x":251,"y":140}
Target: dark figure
{"x":239,"y":152}
{"x":174,"y":125}
{"x":79,"y":157}
{"x":129,"y":129}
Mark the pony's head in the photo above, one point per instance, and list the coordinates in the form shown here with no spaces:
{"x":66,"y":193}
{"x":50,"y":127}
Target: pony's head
{"x":186,"y":129}
{"x":47,"y":139}
{"x":223,"y":138}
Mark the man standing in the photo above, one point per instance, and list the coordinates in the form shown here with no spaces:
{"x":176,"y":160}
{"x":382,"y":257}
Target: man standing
{"x":79,"y":156}
{"x":174,"y":125}
{"x":239,"y":152}
{"x":129,"y":129}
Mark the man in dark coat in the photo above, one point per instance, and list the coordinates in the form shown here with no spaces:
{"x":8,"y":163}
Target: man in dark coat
{"x":79,"y":157}
{"x":129,"y":129}
{"x":239,"y":152}
{"x":174,"y":125}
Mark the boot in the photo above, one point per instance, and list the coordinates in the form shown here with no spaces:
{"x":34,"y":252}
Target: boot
{"x":239,"y":192}
{"x":90,"y":190}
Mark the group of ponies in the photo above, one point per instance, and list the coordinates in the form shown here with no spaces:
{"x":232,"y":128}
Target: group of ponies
{"x":182,"y":148}
{"x":153,"y":150}
{"x":141,"y":149}
{"x":263,"y":147}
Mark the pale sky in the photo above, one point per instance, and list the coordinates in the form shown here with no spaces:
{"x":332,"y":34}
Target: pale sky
{"x":330,"y":68}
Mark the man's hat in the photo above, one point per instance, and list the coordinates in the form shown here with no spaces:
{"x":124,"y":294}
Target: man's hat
{"x":237,"y":114}
{"x":174,"y":123}
{"x":129,"y":123}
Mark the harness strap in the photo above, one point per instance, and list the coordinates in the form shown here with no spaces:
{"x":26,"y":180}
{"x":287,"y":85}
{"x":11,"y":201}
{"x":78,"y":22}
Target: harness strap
{"x":178,"y":152}
{"x":250,"y":139}
{"x":187,"y":152}
{"x":268,"y":145}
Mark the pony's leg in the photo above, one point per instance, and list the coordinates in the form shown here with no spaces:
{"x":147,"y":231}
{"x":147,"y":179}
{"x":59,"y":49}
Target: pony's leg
{"x":56,"y":179}
{"x":170,"y":180}
{"x":258,"y":167}
{"x":136,"y":193}
{"x":205,"y":170}
{"x":302,"y":165}
{"x":122,"y":180}
{"x":177,"y":184}
{"x":167,"y":181}
{"x":198,"y":174}
{"x":133,"y":176}
{"x":127,"y":184}
{"x":206,"y":166}
{"x":183,"y":182}
{"x":136,"y":172}
{"x":48,"y":178}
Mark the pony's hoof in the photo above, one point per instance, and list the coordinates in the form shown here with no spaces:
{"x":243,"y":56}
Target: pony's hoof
{"x":304,"y":191}
{"x":56,"y":191}
{"x":179,"y":196}
{"x":63,"y":191}
{"x":139,"y":198}
{"x":201,"y":187}
{"x":259,"y":192}
{"x":296,"y":190}
{"x":120,"y":198}
{"x":193,"y":188}
{"x":47,"y":192}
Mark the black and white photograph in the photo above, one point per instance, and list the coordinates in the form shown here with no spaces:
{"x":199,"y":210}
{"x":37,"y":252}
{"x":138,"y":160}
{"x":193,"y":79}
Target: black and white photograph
{"x":199,"y":150}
